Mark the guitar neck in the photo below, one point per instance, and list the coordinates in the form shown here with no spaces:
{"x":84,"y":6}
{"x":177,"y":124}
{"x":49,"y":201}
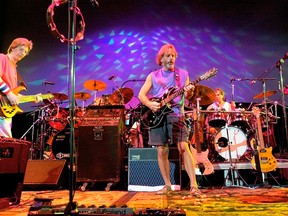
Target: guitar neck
{"x":180,"y":91}
{"x":260,"y":133}
{"x":29,"y":98}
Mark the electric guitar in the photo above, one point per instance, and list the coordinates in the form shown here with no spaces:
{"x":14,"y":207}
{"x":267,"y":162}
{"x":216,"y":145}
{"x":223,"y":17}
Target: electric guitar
{"x":203,"y":163}
{"x":267,"y":161}
{"x":152,"y":119}
{"x":8,"y":110}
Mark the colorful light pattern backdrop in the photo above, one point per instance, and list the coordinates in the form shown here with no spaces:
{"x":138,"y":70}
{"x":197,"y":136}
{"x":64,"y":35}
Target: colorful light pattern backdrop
{"x":243,"y":39}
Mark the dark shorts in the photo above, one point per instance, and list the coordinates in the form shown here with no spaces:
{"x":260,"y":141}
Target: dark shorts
{"x":172,"y":131}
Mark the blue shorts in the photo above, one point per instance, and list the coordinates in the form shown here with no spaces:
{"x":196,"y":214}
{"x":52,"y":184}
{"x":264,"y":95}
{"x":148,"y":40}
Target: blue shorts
{"x":172,"y":131}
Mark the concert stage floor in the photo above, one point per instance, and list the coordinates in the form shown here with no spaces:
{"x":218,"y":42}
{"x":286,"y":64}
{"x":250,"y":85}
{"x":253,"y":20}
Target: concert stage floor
{"x":213,"y":201}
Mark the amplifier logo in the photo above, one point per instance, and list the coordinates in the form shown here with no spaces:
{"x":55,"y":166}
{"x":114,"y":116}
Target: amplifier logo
{"x":98,"y":133}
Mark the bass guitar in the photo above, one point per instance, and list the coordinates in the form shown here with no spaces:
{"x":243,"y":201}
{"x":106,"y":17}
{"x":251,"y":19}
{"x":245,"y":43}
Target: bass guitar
{"x":267,"y":161}
{"x":203,"y":163}
{"x":8,"y":110}
{"x":152,"y":119}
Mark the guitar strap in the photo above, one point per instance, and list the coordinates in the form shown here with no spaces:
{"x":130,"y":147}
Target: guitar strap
{"x":177,"y":80}
{"x":21,"y":81}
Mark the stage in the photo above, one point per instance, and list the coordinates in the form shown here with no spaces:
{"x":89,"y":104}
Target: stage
{"x":214,"y":201}
{"x":217,"y":198}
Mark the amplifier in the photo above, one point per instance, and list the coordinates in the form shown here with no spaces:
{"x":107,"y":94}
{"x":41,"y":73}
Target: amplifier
{"x":144,"y":173}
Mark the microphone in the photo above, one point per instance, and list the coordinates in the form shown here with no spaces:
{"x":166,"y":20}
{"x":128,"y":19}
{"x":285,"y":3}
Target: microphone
{"x":285,"y":56}
{"x":111,"y":77}
{"x":235,"y":79}
{"x":48,"y":83}
{"x":282,"y":60}
{"x":252,"y":82}
{"x":94,"y":3}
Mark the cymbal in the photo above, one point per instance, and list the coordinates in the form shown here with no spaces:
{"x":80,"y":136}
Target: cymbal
{"x":268,"y":94}
{"x":60,"y":96}
{"x":121,"y":96}
{"x":206,"y":94}
{"x":94,"y":85}
{"x":82,"y":95}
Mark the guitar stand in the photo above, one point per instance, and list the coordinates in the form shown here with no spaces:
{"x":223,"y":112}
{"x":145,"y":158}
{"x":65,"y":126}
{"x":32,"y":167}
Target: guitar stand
{"x":232,"y":172}
{"x":202,"y":179}
{"x":264,"y":182}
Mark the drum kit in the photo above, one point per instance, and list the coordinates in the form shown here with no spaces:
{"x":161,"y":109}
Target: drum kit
{"x":238,"y":125}
{"x":56,"y":131}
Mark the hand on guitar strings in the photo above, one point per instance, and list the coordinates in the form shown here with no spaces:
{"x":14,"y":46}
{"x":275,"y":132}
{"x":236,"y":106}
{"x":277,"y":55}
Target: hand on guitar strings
{"x":154,"y":106}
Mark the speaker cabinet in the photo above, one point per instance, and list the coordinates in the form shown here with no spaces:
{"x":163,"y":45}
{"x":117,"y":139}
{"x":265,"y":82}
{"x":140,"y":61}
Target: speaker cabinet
{"x":13,"y":160}
{"x":100,"y":156}
{"x":143,"y":169}
{"x":46,"y":174}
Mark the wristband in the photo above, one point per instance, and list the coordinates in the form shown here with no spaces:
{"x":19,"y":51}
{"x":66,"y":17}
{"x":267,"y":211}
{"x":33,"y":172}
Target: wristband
{"x":4,"y":88}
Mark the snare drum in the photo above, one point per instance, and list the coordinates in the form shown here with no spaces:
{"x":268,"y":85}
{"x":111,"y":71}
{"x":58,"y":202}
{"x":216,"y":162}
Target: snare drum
{"x":237,"y":141}
{"x":217,"y":119}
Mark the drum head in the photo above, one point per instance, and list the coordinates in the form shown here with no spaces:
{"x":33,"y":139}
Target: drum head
{"x":235,"y":137}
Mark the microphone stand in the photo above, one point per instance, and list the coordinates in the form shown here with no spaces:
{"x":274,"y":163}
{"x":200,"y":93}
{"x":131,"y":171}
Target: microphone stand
{"x":71,"y":60}
{"x":134,"y":80}
{"x":279,"y":66}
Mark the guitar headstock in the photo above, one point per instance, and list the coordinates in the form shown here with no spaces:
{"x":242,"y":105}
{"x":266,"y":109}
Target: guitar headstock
{"x":208,"y":74}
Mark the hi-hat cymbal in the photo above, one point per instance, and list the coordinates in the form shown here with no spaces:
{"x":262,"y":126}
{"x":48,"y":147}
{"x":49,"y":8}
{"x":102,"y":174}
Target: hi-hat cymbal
{"x":206,"y":94}
{"x":121,"y":96}
{"x":82,"y":95}
{"x":60,"y":96}
{"x":94,"y":85}
{"x":267,"y":93}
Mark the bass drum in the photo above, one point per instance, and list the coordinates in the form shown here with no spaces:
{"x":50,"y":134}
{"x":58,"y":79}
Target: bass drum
{"x":61,"y":144}
{"x":237,"y":139}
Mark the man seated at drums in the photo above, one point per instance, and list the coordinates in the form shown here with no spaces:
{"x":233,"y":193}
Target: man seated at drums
{"x":218,"y":119}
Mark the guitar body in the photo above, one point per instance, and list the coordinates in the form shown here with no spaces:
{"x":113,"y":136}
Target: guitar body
{"x":8,"y":110}
{"x":202,"y":158}
{"x":152,"y":119}
{"x":267,"y":161}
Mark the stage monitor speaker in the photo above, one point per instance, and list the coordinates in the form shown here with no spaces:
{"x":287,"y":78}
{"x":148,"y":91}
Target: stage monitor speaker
{"x":100,"y":156}
{"x":46,"y":174}
{"x":143,"y":169}
{"x":13,"y":160}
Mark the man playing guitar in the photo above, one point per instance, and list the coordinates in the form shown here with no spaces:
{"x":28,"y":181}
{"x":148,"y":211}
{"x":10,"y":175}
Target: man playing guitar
{"x":9,"y":78}
{"x":172,"y":128}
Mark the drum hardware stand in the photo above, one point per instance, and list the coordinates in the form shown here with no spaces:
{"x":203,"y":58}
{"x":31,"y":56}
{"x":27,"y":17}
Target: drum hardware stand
{"x":32,"y":128}
{"x":232,"y":170}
